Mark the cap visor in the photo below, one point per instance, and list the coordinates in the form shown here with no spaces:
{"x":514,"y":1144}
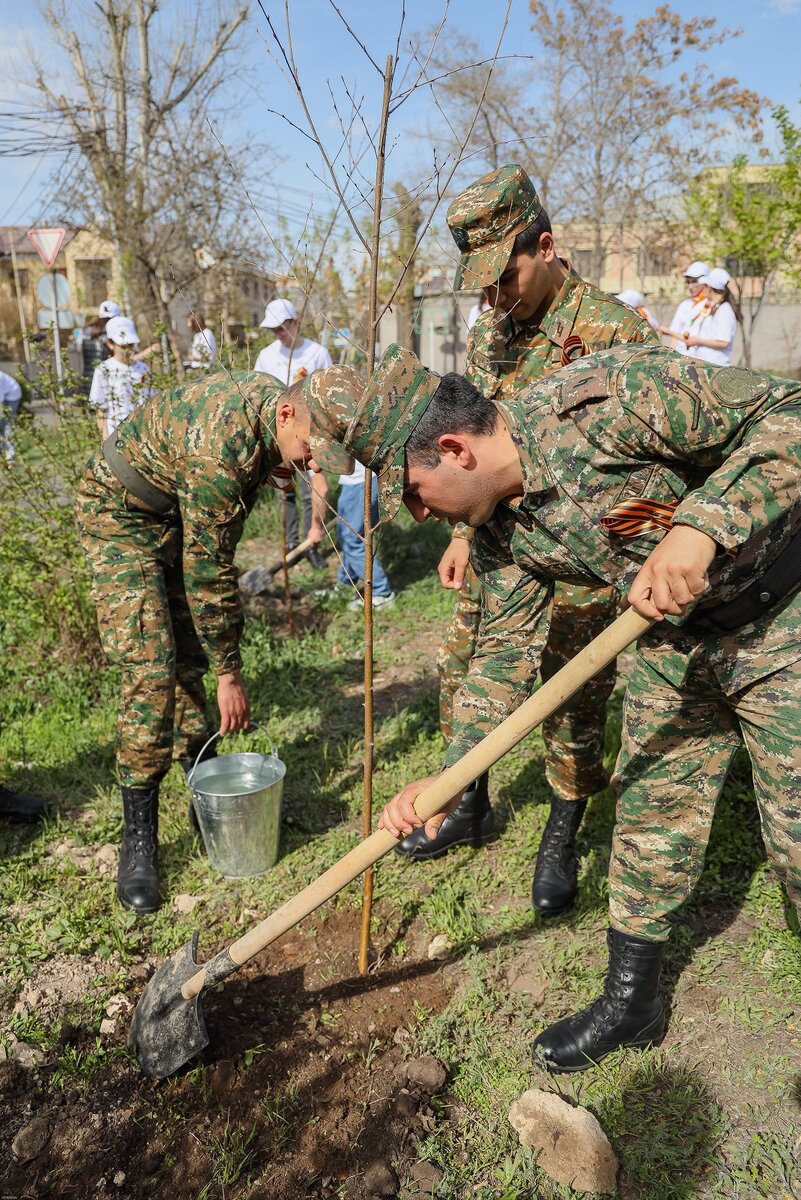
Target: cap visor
{"x":390,"y":488}
{"x":483,"y":267}
{"x":330,"y":455}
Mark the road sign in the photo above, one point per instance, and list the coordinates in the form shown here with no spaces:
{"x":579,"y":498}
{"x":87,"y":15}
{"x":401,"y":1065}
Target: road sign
{"x":47,"y":243}
{"x":67,"y":319}
{"x":53,"y":291}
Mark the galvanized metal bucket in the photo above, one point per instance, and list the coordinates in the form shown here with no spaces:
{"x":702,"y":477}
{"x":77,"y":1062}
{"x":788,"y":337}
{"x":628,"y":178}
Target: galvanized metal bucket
{"x":237,"y":801}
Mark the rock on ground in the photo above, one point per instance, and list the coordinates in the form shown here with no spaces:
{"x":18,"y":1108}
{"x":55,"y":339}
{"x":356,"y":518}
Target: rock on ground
{"x":426,"y":1074}
{"x":569,"y":1143}
{"x":31,"y":1140}
{"x":440,"y":947}
{"x":380,"y":1180}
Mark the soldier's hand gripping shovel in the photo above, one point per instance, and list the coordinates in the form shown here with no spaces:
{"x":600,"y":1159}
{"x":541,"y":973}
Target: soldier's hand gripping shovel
{"x":168,"y":1028}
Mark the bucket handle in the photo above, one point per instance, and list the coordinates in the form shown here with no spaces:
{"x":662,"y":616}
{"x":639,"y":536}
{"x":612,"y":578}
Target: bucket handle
{"x":216,"y":735}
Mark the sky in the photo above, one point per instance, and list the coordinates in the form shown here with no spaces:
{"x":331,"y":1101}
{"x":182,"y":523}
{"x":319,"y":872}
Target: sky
{"x":765,"y":58}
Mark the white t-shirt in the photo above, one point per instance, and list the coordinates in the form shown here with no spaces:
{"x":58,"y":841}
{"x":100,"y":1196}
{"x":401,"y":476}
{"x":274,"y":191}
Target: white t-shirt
{"x":689,"y":311}
{"x":719,"y":325}
{"x":204,"y":349}
{"x":304,"y":357}
{"x":476,"y":311}
{"x":117,"y":388}
{"x":356,"y":476}
{"x":10,"y":390}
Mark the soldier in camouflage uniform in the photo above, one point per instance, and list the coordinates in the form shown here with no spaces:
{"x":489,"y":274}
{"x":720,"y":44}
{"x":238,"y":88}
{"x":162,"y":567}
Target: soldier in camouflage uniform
{"x":160,"y":512}
{"x":578,"y":478}
{"x":543,"y":316}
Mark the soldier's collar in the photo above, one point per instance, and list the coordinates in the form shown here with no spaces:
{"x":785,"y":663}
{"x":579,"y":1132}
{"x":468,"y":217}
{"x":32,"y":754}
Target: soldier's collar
{"x":536,"y":477}
{"x":558,"y":322}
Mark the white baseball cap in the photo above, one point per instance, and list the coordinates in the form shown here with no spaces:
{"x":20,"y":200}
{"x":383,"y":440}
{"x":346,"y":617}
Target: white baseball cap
{"x":696,"y":270}
{"x":109,"y":309}
{"x":633,"y":298}
{"x":276,"y":312}
{"x":717,"y":278}
{"x":122,"y":331}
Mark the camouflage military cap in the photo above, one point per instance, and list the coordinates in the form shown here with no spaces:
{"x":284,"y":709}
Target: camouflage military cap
{"x":332,"y":395}
{"x":486,"y":218}
{"x":399,"y":392}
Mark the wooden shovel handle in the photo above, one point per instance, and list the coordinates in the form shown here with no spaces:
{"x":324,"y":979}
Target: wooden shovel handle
{"x":545,"y":701}
{"x":292,"y":556}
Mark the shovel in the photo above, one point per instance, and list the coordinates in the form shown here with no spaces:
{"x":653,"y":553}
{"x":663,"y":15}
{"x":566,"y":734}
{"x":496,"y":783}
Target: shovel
{"x":258,"y":579}
{"x":168,"y":1028}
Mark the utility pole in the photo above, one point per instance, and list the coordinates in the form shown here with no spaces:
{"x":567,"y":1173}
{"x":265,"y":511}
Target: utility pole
{"x":26,"y":350}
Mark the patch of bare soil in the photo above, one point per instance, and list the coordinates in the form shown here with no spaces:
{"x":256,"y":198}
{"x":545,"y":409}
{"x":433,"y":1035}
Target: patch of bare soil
{"x":306,"y":1090}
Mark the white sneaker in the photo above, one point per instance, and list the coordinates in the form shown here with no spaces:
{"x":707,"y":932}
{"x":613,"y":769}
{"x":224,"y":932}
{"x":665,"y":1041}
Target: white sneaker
{"x":378,"y":602}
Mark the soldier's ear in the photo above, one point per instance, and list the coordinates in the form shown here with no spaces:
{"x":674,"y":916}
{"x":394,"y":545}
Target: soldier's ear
{"x":546,"y":246}
{"x":457,"y":448}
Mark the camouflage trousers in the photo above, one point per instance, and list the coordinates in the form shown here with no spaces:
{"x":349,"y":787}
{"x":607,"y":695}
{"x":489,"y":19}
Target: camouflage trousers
{"x":146,"y":629}
{"x":574,"y":737}
{"x":678,"y":744}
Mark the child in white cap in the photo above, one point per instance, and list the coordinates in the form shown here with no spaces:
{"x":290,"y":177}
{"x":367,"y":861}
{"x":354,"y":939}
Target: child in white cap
{"x":636,"y":300}
{"x":118,"y":384}
{"x":711,"y":335}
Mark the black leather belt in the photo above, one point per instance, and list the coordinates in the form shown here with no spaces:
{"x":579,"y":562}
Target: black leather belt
{"x":139,"y":487}
{"x":781,"y":579}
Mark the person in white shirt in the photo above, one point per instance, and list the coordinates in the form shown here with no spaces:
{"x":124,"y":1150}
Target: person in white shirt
{"x":477,"y":310}
{"x":10,"y":400}
{"x":289,"y":358}
{"x":688,"y":309}
{"x":711,"y":335}
{"x":118,"y":384}
{"x":636,"y":300}
{"x":203,"y":350}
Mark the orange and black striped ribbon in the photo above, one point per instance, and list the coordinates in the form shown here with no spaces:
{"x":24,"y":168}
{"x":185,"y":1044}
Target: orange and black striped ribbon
{"x":574,"y":347}
{"x":632,"y":517}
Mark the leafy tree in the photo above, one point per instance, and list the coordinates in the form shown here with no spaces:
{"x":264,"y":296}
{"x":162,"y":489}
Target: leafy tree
{"x":609,"y":118}
{"x":133,"y":107}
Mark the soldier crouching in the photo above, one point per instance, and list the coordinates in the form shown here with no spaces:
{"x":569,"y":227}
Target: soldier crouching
{"x":160,"y":513}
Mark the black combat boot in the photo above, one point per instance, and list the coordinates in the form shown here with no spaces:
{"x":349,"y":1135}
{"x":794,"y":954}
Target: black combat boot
{"x":138,"y":872}
{"x":19,"y":806}
{"x":629,"y":1013}
{"x":554,"y":887}
{"x":471,"y":824}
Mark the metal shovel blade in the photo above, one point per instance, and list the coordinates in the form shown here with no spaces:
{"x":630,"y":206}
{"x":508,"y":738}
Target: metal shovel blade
{"x":167,"y":1031}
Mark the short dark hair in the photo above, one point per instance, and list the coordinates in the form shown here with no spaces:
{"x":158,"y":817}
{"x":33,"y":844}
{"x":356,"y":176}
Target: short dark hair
{"x":457,"y":407}
{"x":528,"y":242}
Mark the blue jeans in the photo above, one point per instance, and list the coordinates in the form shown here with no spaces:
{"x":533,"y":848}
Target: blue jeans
{"x":350,"y":507}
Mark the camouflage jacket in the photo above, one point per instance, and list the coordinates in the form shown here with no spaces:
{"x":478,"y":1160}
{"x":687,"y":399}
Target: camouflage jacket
{"x":209,"y":445}
{"x":503,"y":355}
{"x":722,"y":443}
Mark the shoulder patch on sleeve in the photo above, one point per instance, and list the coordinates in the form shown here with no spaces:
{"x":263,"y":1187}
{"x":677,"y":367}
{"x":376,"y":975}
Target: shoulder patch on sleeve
{"x":736,"y":387}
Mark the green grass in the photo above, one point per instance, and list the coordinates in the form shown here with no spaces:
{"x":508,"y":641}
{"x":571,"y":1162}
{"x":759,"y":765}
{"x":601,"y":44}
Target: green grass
{"x":714,"y":1114}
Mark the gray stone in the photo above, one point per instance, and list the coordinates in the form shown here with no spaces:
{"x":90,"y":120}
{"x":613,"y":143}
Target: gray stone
{"x":380,"y":1180}
{"x":569,"y":1144}
{"x":31,"y":1140}
{"x":27,"y":1056}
